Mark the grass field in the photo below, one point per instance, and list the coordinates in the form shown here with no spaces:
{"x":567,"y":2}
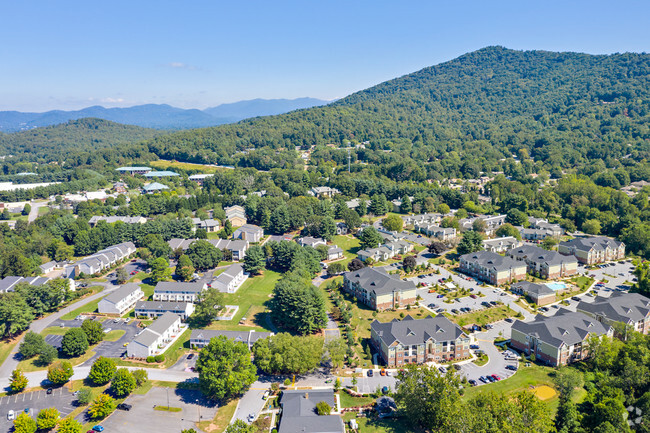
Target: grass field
{"x":54,"y":330}
{"x":88,"y":308}
{"x":114,"y":335}
{"x":349,"y":244}
{"x":482,"y":317}
{"x":221,"y":419}
{"x":251,"y":297}
{"x":375,"y":425}
{"x":28,"y":365}
{"x":349,"y":401}
{"x":6,"y":346}
{"x":164,"y":164}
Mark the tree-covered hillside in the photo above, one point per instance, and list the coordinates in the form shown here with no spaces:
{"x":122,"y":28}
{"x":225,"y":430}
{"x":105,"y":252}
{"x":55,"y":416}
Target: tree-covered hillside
{"x":54,"y":142}
{"x":564,"y":108}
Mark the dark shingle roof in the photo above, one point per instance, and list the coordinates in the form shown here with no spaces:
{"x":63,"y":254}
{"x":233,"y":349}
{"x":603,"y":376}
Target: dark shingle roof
{"x":299,"y":412}
{"x":411,"y":331}
{"x":595,"y":242}
{"x":488,"y":259}
{"x":564,"y":327}
{"x":378,"y":281}
{"x":620,"y":307}
{"x":533,"y":288}
{"x":540,"y":255}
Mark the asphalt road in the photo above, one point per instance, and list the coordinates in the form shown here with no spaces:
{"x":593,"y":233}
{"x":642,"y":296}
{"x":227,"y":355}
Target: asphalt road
{"x":60,"y":398}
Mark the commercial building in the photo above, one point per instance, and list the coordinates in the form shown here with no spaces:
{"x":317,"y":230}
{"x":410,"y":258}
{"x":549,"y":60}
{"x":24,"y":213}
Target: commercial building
{"x":163,"y":173}
{"x":156,"y":337}
{"x":175,"y":291}
{"x":543,"y":263}
{"x":378,"y":290}
{"x":154,"y":187}
{"x":133,"y":170}
{"x":592,"y":250}
{"x":411,"y":341}
{"x":557,"y":340}
{"x":121,"y":300}
{"x":492,"y":267}
{"x":631,"y":309}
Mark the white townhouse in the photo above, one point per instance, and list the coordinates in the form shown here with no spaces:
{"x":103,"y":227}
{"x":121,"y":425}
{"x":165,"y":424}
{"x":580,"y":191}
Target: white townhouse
{"x":156,"y":337}
{"x":231,"y":279}
{"x":121,"y":300}
{"x":152,"y":309}
{"x":174,"y":291}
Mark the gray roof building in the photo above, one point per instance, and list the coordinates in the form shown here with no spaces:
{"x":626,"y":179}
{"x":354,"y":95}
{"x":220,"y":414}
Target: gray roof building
{"x":592,"y":242}
{"x":123,"y":292}
{"x":539,"y":255}
{"x":179,"y":287}
{"x":628,"y":308}
{"x":201,"y":337}
{"x":378,"y":281}
{"x":410,"y":331}
{"x":299,"y":412}
{"x":488,"y":259}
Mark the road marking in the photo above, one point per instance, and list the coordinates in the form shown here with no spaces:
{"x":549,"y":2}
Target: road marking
{"x":31,"y":394}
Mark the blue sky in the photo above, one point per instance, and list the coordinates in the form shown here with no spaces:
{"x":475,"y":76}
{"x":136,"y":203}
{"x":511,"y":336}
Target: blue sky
{"x":196,"y":54}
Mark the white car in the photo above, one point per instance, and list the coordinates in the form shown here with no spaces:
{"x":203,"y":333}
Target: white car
{"x":11,"y":415}
{"x":251,"y":417}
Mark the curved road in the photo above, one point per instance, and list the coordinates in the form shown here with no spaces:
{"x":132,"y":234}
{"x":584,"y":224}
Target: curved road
{"x":11,"y":363}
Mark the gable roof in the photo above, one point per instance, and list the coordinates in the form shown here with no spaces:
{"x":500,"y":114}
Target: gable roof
{"x":619,"y":307}
{"x":540,"y":255}
{"x":177,"y":286}
{"x":565,"y":327}
{"x":378,"y":281}
{"x":533,"y":288}
{"x":599,"y":243}
{"x":488,"y":259}
{"x":122,"y":292}
{"x":409,"y":331}
{"x":299,"y":412}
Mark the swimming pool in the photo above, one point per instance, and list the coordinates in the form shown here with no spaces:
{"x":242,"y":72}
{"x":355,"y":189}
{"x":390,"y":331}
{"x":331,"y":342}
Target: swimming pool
{"x":556,"y":286}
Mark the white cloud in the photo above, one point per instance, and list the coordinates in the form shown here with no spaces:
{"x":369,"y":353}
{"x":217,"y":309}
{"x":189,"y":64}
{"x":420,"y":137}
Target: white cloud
{"x":181,"y":65}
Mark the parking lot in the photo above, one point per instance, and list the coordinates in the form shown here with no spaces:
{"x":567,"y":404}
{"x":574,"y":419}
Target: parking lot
{"x":143,"y":417}
{"x":60,"y":398}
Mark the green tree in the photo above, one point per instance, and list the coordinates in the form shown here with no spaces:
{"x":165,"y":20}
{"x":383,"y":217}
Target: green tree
{"x":225,"y":369}
{"x":26,"y":209}
{"x":566,"y":380}
{"x":240,"y":426}
{"x":549,"y":243}
{"x":94,"y":331}
{"x":327,"y":228}
{"x":18,"y":381}
{"x":437,"y":248}
{"x":370,"y":238}
{"x":84,"y":395}
{"x":121,"y":276}
{"x":24,"y":423}
{"x":409,"y":263}
{"x":298,"y":305}
{"x":47,"y":418}
{"x":69,"y":425}
{"x":566,"y":418}
{"x":204,"y":255}
{"x":355,"y":265}
{"x":102,"y":406}
{"x":208,"y":307}
{"x":335,"y":268}
{"x":185,"y":268}
{"x":123,"y":383}
{"x":287,"y":354}
{"x":351,"y":218}
{"x":141,"y":376}
{"x":74,"y":342}
{"x":160,"y":270}
{"x":394,"y":223}
{"x":336,"y":350}
{"x":157,"y":246}
{"x":472,"y":241}
{"x":15,"y":314}
{"x":406,"y":207}
{"x":48,"y":355}
{"x":591,"y":227}
{"x":479,"y":225}
{"x":506,"y":230}
{"x":102,"y":371}
{"x":31,"y":345}
{"x":254,"y":261}
{"x":322,"y":408}
{"x":517,"y":218}
{"x":59,"y":372}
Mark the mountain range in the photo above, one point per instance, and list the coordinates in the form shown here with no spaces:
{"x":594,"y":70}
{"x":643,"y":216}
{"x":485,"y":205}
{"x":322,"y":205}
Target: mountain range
{"x":158,"y":116}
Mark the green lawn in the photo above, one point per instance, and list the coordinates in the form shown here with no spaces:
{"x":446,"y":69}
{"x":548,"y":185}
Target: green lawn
{"x":482,"y":317}
{"x":374,"y":425}
{"x":54,"y":330}
{"x":349,"y":401}
{"x":251,"y":298}
{"x":88,"y":308}
{"x":114,"y":335}
{"x":348,"y":243}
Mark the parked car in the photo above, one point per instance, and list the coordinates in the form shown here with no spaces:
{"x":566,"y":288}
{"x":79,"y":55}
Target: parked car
{"x":431,"y":306}
{"x":509,"y":320}
{"x":440,"y":296}
{"x":473,"y":346}
{"x":511,"y":367}
{"x":251,"y":417}
{"x":473,"y":296}
{"x":496,"y":377}
{"x":454,"y":311}
{"x":370,"y":373}
{"x":382,"y":372}
{"x":124,"y":406}
{"x":190,"y":356}
{"x":11,"y":415}
{"x":49,"y":391}
{"x":98,"y":428}
{"x":575,"y":298}
{"x":472,"y":382}
{"x":443,"y":370}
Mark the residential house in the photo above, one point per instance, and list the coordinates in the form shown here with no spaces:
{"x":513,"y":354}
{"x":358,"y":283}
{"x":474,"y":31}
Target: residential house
{"x":492,"y":267}
{"x":133,"y":170}
{"x":543,"y":263}
{"x":379,"y":290}
{"x":236,"y":215}
{"x":380,"y":254}
{"x":557,"y":340}
{"x":156,"y":337}
{"x":334,"y":253}
{"x":154,"y":187}
{"x":444,"y":234}
{"x":153,"y":309}
{"x":231,"y":279}
{"x":121,"y":300}
{"x":631,"y":309}
{"x":411,"y":341}
{"x":492,"y":223}
{"x":542,"y":224}
{"x":422,"y":219}
{"x":341,"y":229}
{"x":353,"y":204}
{"x":323,"y":191}
{"x":311,"y":242}
{"x":201,"y":337}
{"x":539,"y":294}
{"x":299,"y":412}
{"x":113,"y":219}
{"x":101,"y":260}
{"x":594,"y":249}
{"x":280,"y":238}
{"x":176,"y":291}
{"x":210,"y":225}
{"x":9,"y":283}
{"x":120,"y":187}
{"x":237,"y":248}
{"x":500,"y":245}
{"x":249,"y":232}
{"x":48,"y":267}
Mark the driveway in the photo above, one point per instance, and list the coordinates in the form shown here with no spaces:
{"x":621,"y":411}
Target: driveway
{"x":496,"y":360}
{"x":251,"y":402}
{"x":143,"y":417}
{"x":60,"y":398}
{"x":331,"y":329}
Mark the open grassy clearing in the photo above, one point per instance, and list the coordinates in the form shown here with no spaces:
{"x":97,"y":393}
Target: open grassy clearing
{"x":221,"y":420}
{"x":482,"y":317}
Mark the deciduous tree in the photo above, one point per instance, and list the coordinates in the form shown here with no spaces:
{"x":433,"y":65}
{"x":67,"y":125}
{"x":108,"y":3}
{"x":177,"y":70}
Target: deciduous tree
{"x":59,"y":372}
{"x":94,"y":331}
{"x":101,"y":407}
{"x":18,"y":381}
{"x":123,"y":383}
{"x":102,"y":371}
{"x":74,"y":342}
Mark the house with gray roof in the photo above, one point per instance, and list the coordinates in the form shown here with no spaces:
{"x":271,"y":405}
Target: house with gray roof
{"x":236,"y":215}
{"x":9,"y":283}
{"x":411,"y":341}
{"x":231,"y":279}
{"x":299,"y":412}
{"x":201,"y":337}
{"x":631,"y":309}
{"x":492,"y":267}
{"x":334,"y":252}
{"x":559,"y":339}
{"x":177,"y":291}
{"x":379,"y":290}
{"x":153,"y":309}
{"x":492,"y":223}
{"x":154,"y":187}
{"x":121,"y":300}
{"x":443,"y":234}
{"x":543,"y":263}
{"x":249,"y":232}
{"x":539,"y":294}
{"x":501,"y":245}
{"x":593,"y":249}
{"x":155,"y":339}
{"x":237,"y":247}
{"x":113,"y":219}
{"x":310,"y":241}
{"x":323,"y":191}
{"x":101,"y":260}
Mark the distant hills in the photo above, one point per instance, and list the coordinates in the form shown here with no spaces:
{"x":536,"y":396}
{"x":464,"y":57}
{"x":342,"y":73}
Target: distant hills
{"x":158,"y":116}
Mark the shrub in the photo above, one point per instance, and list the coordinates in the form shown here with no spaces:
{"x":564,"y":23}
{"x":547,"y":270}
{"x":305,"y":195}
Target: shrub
{"x":151,"y":359}
{"x":160,"y":358}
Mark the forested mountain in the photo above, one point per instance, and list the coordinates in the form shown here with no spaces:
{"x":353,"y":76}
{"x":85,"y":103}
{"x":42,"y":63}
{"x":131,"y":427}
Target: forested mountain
{"x":54,"y":142}
{"x":464,"y":115}
{"x":158,"y":116}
